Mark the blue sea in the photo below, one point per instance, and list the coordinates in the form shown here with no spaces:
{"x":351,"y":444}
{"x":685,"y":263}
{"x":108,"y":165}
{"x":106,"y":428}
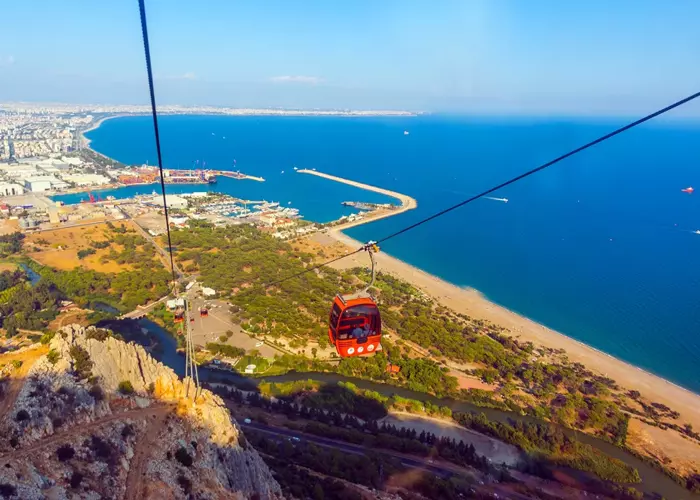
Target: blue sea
{"x":599,"y":247}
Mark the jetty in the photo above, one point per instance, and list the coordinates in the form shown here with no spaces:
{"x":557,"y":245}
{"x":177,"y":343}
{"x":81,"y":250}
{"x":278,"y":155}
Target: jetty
{"x":407,"y":202}
{"x":236,"y":175}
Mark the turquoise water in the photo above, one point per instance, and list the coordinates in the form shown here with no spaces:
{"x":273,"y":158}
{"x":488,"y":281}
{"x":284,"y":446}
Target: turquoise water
{"x":599,"y":247}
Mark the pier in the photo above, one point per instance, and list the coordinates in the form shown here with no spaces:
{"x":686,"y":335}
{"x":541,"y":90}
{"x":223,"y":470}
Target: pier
{"x":235,"y":175}
{"x":407,"y":202}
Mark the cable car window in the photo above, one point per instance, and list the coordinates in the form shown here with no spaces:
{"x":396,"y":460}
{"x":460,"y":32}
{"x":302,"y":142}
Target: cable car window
{"x":359,"y":322}
{"x":333,"y":321}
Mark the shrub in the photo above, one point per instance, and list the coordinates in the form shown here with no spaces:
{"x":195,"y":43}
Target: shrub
{"x":81,"y":361}
{"x":127,"y":430}
{"x":65,"y":452}
{"x":16,"y":363}
{"x":97,"y":393}
{"x":7,"y":490}
{"x":100,"y":447}
{"x":53,"y":356}
{"x":125,"y":387}
{"x":100,"y":244}
{"x":84,"y":253}
{"x":76,"y":479}
{"x":183,"y":457}
{"x":98,"y":334}
{"x":185,"y":484}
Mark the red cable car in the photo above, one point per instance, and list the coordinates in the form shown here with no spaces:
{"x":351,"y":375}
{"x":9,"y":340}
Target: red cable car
{"x":355,"y":325}
{"x":179,"y":315}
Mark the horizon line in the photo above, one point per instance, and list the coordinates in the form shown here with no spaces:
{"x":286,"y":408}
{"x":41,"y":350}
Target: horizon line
{"x":358,"y":111}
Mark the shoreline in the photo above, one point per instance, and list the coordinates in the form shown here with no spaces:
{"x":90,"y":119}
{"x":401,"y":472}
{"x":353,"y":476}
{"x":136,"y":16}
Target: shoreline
{"x":86,"y":141}
{"x":473,"y":303}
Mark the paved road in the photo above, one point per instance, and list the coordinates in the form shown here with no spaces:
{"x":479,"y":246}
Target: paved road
{"x":142,"y":311}
{"x":442,"y":470}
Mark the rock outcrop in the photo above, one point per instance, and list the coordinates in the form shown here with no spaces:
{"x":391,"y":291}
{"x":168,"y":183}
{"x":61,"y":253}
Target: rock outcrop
{"x":196,"y":451}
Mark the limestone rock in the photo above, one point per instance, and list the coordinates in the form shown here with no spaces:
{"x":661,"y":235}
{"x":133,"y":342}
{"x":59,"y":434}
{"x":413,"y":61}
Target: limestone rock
{"x":219,"y":456}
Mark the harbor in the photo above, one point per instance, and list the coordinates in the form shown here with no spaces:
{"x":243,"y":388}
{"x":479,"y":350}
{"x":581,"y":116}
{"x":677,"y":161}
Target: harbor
{"x":146,"y":174}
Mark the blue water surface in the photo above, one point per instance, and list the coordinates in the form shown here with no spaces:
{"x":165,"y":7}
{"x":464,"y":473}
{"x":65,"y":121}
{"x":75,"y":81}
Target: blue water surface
{"x":599,"y":247}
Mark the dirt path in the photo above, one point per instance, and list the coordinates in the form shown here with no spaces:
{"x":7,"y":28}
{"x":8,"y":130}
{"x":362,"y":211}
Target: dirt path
{"x":144,"y":447}
{"x":16,"y":380}
{"x":83,"y":428}
{"x":68,"y":318}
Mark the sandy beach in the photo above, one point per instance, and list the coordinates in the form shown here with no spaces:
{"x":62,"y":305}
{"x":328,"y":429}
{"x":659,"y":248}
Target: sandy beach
{"x":94,"y":126}
{"x":474,"y":304}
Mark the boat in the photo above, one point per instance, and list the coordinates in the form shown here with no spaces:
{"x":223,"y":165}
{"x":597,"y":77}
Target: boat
{"x":688,"y":190}
{"x":405,"y":132}
{"x":697,"y":231}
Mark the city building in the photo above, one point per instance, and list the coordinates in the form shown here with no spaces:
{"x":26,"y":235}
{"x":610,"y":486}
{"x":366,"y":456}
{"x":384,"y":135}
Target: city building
{"x":175,"y":201}
{"x":178,"y":220}
{"x":38,"y":184}
{"x":10,"y":189}
{"x":19,"y":170}
{"x":175,"y":303}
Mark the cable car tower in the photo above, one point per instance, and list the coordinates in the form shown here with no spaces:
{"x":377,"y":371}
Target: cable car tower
{"x":184,"y":317}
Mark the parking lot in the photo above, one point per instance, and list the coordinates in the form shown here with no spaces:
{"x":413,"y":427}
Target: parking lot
{"x":210,"y":328}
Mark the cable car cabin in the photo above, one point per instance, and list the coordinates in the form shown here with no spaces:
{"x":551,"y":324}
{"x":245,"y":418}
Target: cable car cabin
{"x":179,"y":315}
{"x":355,"y":325}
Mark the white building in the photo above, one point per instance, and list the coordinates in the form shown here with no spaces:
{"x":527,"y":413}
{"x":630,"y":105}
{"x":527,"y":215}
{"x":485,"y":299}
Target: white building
{"x":9,"y":189}
{"x":208,"y":291}
{"x":20,"y":171}
{"x":175,"y":201}
{"x":175,"y":303}
{"x":86,"y":179}
{"x":177,"y":220}
{"x":38,"y":184}
{"x":71,"y":160}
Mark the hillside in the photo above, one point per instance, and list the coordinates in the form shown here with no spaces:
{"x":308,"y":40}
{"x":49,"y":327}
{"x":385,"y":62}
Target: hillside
{"x":98,"y":417}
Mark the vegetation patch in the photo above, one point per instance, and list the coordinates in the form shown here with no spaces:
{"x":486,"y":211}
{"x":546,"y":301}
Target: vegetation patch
{"x":125,"y":387}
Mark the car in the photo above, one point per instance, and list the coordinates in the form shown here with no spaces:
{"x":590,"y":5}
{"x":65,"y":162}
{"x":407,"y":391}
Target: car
{"x":247,"y":420}
{"x":258,"y":344}
{"x":430,"y":460}
{"x":295,"y":439}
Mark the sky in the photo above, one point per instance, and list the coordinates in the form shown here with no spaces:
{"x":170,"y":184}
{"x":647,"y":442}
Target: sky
{"x":537,"y":57}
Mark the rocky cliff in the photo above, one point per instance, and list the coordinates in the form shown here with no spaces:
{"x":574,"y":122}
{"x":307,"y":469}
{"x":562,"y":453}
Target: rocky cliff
{"x":72,"y":432}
